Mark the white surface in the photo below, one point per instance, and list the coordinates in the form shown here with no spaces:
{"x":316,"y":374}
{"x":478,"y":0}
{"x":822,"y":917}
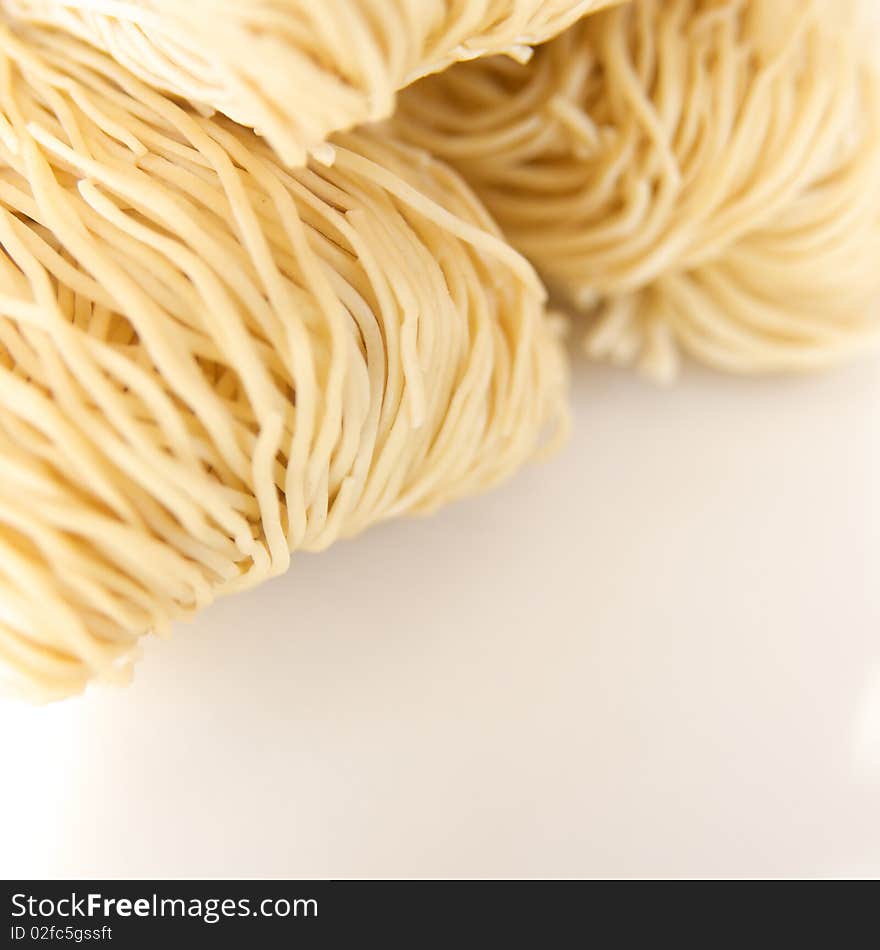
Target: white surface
{"x":657,"y":655}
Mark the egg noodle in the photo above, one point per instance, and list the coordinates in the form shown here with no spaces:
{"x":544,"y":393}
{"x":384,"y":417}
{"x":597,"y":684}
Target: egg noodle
{"x":208,"y":361}
{"x":298,"y":70}
{"x":699,"y":176}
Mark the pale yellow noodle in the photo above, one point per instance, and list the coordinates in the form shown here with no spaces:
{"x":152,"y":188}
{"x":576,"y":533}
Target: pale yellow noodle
{"x":298,"y":70}
{"x":700,"y":176}
{"x":208,"y":361}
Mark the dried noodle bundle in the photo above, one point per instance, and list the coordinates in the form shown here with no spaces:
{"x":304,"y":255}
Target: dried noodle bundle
{"x":702,"y":176}
{"x":208,"y":361}
{"x":298,"y":70}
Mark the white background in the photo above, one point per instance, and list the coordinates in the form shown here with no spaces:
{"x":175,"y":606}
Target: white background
{"x":658,"y":654}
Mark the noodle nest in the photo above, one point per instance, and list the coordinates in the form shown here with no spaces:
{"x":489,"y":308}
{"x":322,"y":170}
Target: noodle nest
{"x":208,"y":361}
{"x":699,"y":176}
{"x":299,"y":70}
